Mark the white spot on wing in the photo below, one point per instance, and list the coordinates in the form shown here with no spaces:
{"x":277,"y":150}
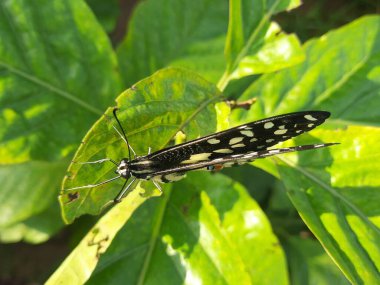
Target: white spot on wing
{"x":213,"y":141}
{"x":235,"y":140}
{"x":223,"y":150}
{"x":245,"y":127}
{"x":310,"y":118}
{"x":253,"y":140}
{"x":158,"y":178}
{"x":268,"y":125}
{"x":142,"y":162}
{"x":310,"y":125}
{"x":197,"y":157}
{"x":269,"y":140}
{"x":174,"y":177}
{"x":319,"y":145}
{"x":238,"y":145}
{"x":280,"y":132}
{"x":247,"y":133}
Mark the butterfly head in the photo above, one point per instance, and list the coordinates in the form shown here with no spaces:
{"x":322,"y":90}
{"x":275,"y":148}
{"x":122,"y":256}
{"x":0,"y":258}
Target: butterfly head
{"x":123,"y":169}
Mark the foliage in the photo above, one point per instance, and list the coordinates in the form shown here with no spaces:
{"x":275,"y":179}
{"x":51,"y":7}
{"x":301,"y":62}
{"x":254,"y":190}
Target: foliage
{"x":59,"y":75}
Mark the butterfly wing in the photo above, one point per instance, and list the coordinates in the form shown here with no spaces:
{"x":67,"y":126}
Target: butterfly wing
{"x":229,"y":160}
{"x":231,"y":145}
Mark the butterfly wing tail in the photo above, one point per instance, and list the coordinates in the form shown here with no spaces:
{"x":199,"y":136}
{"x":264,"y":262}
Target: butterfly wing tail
{"x":276,"y":151}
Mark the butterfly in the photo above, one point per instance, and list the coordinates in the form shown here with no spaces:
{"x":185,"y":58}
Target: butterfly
{"x":235,"y":146}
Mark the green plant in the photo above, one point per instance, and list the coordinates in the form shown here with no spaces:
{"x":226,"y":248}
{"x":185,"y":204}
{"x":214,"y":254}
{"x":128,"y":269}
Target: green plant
{"x":58,"y":73}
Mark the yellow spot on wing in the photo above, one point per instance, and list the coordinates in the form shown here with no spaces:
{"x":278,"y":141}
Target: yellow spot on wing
{"x":213,"y":141}
{"x":238,"y":145}
{"x":280,"y":132}
{"x":235,"y":140}
{"x":197,"y":157}
{"x":174,"y":177}
{"x":310,"y":118}
{"x":224,"y":150}
{"x":268,"y":125}
{"x":247,"y":133}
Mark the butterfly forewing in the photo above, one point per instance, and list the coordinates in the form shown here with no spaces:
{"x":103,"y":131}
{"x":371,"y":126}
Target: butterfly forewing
{"x":237,"y":145}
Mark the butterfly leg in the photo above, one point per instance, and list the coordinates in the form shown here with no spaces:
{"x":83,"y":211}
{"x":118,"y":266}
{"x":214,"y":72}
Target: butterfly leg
{"x":98,"y":161}
{"x":123,"y":190}
{"x":93,"y":185}
{"x":157,"y":185}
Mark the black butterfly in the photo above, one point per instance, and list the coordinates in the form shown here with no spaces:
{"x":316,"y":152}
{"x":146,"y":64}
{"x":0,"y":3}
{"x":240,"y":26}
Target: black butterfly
{"x":231,"y":147}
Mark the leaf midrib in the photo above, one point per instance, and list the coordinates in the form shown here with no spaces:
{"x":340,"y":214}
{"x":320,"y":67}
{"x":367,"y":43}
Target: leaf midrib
{"x":332,"y":192}
{"x":52,"y":88}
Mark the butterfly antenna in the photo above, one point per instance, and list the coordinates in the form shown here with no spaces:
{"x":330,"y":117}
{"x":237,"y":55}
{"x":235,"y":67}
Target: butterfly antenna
{"x":114,"y":113}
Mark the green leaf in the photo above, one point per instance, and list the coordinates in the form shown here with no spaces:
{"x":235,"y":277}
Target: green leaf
{"x":79,"y":265}
{"x":36,"y":229}
{"x":48,"y":67}
{"x":106,"y":12}
{"x":206,"y":228}
{"x":235,"y":34}
{"x":309,"y":264}
{"x":335,"y":190}
{"x":194,"y":38}
{"x":249,"y":31}
{"x":279,"y":51}
{"x":205,"y":57}
{"x":339,"y":203}
{"x":189,"y":33}
{"x":340,"y":75}
{"x":28,"y":189}
{"x":152,"y":112}
{"x":57,"y":75}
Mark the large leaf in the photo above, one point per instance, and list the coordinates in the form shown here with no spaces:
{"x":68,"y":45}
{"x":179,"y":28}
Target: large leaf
{"x":57,"y":75}
{"x":28,"y":189}
{"x":336,"y":189}
{"x":194,"y":37}
{"x":36,"y":229}
{"x":106,"y":12}
{"x":152,"y":112}
{"x":249,"y":30}
{"x":309,"y":263}
{"x":161,"y":31}
{"x":207,"y":229}
{"x":339,"y":202}
{"x":79,"y":265}
{"x":340,"y":75}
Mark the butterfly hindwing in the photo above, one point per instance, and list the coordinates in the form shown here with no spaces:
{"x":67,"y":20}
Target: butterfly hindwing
{"x":235,"y":145}
{"x":229,"y":161}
